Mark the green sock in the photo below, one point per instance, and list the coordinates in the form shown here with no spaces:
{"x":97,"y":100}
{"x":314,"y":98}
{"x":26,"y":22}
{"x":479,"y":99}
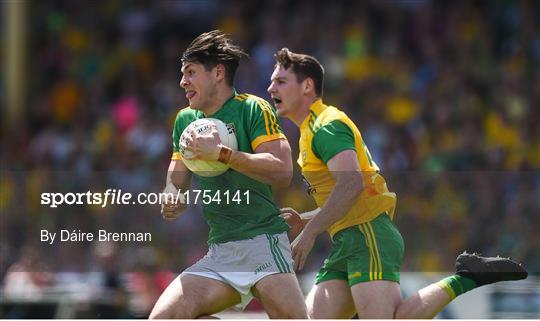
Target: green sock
{"x":456,"y":285}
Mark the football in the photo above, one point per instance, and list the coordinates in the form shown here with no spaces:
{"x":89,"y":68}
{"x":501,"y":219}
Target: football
{"x":203,"y":127}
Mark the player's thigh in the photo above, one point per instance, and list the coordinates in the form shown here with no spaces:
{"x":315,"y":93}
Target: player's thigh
{"x":330,"y":300}
{"x":374,"y":268}
{"x":330,"y":297}
{"x":190,"y":296}
{"x":376,"y":299}
{"x":281,"y":296}
{"x":377,"y":251}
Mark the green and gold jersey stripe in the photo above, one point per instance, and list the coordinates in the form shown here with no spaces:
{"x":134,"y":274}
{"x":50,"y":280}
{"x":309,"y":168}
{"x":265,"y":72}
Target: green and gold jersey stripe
{"x":241,"y":97}
{"x":313,"y":120}
{"x":371,"y":255}
{"x":375,"y":264}
{"x":271,"y":122}
{"x":311,"y":128}
{"x":311,"y":123}
{"x":378,"y":255}
{"x":270,"y":118}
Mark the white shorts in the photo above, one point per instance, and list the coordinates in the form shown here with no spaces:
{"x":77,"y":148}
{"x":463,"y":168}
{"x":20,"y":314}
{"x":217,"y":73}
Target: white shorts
{"x":242,"y":264}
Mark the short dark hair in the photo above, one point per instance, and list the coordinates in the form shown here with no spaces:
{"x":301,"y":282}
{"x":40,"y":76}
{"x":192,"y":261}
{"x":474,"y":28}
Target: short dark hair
{"x":303,"y":66}
{"x":213,"y":48}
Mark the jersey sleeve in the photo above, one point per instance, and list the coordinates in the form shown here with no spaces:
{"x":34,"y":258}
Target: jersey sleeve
{"x":263,"y":123}
{"x":331,"y":139}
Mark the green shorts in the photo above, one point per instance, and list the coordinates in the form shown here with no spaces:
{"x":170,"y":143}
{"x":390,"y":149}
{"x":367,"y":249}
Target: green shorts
{"x":365,"y":252}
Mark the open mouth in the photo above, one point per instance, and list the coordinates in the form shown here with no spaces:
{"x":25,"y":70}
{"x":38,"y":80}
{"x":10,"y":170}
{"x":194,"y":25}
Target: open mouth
{"x":276,"y":100}
{"x":190,"y":94}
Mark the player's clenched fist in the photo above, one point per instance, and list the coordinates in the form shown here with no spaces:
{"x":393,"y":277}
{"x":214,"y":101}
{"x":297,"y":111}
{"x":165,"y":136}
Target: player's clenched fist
{"x":206,"y":146}
{"x":172,"y":202}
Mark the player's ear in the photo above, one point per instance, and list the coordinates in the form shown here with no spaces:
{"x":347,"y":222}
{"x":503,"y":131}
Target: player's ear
{"x":308,"y":85}
{"x":219,"y":72}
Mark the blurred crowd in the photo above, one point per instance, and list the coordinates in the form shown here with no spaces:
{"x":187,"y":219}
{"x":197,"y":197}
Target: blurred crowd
{"x":443,"y":93}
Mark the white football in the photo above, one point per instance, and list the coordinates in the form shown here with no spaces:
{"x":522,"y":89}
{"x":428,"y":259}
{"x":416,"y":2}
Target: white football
{"x":203,"y":127}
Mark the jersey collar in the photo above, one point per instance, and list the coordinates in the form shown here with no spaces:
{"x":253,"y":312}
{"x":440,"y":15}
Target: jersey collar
{"x":315,"y":109}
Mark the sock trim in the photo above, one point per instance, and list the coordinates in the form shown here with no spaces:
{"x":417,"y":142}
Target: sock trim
{"x":445,"y":285}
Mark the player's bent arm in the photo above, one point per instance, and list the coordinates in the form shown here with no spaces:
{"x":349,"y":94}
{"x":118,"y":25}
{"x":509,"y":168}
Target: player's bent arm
{"x":271,"y":163}
{"x":178,"y":179}
{"x":178,"y":175}
{"x":349,"y":185}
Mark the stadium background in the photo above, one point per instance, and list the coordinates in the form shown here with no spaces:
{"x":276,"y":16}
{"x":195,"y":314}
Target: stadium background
{"x":445,"y":94}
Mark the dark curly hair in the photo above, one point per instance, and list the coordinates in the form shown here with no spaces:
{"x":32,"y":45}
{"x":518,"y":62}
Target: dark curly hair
{"x":213,"y":48}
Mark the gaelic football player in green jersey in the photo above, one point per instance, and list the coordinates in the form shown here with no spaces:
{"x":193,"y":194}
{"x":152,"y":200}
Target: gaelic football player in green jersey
{"x":361,"y":273}
{"x":249,"y":252}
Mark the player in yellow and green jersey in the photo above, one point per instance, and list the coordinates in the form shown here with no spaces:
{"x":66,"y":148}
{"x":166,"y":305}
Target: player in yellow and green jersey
{"x":249,"y":252}
{"x":361,"y":273}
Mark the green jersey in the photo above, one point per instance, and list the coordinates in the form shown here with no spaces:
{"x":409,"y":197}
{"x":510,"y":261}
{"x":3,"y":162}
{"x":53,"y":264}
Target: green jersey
{"x":242,"y":207}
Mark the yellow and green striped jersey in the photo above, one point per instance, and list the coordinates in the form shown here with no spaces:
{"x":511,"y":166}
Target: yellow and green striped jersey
{"x":254,"y":121}
{"x":326,"y":132}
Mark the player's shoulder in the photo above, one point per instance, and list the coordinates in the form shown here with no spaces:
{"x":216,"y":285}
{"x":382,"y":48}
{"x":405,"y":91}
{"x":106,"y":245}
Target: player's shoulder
{"x":186,"y":112}
{"x":326,"y":117}
{"x":332,"y":113}
{"x":251,"y":100}
{"x":185,"y":116}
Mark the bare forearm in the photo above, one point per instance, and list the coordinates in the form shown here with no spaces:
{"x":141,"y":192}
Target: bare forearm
{"x":307,"y":216}
{"x":173,"y":179}
{"x":178,"y":179}
{"x":263,"y":167}
{"x":339,"y":203}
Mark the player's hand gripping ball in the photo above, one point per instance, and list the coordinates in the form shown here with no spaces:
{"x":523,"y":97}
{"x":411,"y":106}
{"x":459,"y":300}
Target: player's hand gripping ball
{"x":207,"y":168}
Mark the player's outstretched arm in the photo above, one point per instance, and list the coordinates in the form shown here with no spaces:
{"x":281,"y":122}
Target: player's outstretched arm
{"x":173,"y":202}
{"x":349,"y":185}
{"x":271,"y":163}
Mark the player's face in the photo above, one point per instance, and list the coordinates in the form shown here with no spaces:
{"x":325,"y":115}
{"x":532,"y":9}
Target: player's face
{"x":199,"y":84}
{"x":285,"y":90}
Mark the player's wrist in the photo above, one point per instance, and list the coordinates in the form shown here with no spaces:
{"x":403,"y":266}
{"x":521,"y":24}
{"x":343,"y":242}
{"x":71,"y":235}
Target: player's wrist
{"x":304,"y":221}
{"x":224,"y":154}
{"x":311,"y":230}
